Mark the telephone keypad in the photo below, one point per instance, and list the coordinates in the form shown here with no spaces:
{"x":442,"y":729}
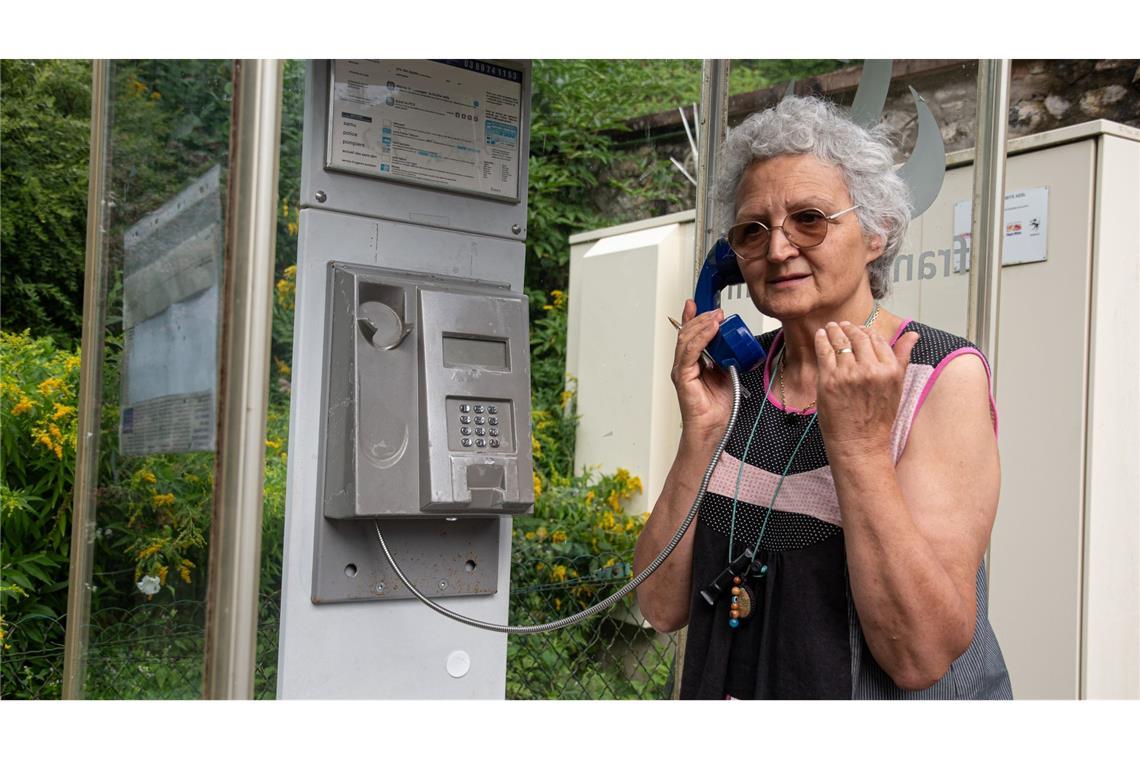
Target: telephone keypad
{"x":479,"y":424}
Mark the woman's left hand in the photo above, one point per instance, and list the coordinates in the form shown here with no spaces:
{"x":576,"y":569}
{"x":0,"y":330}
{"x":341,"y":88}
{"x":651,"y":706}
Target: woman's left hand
{"x":859,"y":390}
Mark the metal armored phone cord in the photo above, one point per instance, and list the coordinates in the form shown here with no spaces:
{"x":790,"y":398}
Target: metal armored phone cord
{"x":624,"y":590}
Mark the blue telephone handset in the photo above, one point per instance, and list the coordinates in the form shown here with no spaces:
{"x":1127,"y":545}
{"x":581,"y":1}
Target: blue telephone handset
{"x":734,"y":345}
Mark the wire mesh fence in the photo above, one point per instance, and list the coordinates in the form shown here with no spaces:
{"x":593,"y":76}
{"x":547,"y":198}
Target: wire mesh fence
{"x":155,"y":650}
{"x":613,"y":655}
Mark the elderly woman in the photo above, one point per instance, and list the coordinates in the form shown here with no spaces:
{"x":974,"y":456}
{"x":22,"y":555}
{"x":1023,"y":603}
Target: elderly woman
{"x":848,"y":516}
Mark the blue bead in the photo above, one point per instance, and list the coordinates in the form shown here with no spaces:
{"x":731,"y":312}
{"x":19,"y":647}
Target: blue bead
{"x":763,"y":570}
{"x":733,"y":623}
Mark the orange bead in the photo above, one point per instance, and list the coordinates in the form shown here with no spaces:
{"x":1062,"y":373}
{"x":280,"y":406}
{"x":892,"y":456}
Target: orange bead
{"x":735,"y":606}
{"x":734,"y":614}
{"x":736,"y":590}
{"x":736,"y":579}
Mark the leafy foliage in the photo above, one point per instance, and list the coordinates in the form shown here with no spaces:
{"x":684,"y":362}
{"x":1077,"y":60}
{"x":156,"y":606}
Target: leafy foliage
{"x":44,"y":128}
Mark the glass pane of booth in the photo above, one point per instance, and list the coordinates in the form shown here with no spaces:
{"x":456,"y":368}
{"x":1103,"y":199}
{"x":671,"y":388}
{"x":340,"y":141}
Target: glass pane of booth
{"x":166,"y":197}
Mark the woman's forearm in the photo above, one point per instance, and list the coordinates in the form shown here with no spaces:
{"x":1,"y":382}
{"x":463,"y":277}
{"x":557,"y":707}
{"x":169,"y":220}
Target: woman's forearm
{"x":664,"y":596}
{"x":914,"y":617}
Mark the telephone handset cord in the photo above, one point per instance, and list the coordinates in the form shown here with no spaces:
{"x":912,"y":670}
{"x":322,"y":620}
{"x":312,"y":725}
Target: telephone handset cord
{"x":620,"y":593}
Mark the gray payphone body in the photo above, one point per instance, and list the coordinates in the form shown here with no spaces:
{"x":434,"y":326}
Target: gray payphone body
{"x":427,"y":399}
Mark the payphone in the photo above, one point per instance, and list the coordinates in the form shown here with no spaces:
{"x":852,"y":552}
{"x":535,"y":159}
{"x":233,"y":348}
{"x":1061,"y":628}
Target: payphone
{"x":427,"y":401}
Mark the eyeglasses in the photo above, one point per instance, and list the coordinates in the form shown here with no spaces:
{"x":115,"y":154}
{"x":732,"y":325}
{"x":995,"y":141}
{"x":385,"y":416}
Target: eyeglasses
{"x":804,"y":229}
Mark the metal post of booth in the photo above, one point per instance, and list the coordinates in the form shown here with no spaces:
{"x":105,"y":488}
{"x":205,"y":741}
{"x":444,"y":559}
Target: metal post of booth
{"x":710,"y":133}
{"x":243,"y":382}
{"x":711,"y":130}
{"x":90,"y":397}
{"x":987,"y":233}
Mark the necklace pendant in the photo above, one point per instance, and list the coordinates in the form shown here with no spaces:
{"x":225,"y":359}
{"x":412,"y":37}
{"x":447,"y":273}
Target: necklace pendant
{"x":742,"y":604}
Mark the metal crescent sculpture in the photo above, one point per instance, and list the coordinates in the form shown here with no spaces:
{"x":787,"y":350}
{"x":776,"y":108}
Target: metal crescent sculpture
{"x":871,"y":94}
{"x":924,"y":171}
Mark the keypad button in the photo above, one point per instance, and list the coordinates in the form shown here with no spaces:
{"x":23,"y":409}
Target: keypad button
{"x":492,"y":420}
{"x":480,"y":432}
{"x":465,"y":407}
{"x":466,"y":442}
{"x":492,"y":409}
{"x":479,"y":420}
{"x":478,"y":409}
{"x":481,"y":443}
{"x":464,"y":419}
{"x":494,"y":432}
{"x":494,"y":443}
{"x":465,"y":431}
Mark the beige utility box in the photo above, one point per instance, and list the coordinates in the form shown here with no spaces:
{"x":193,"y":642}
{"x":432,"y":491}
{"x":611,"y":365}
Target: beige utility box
{"x":1064,"y":561}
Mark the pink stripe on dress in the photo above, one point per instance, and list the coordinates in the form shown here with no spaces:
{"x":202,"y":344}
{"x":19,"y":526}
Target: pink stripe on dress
{"x":806,"y":493}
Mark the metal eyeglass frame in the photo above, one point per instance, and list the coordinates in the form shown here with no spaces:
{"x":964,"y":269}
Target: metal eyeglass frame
{"x":830,"y":219}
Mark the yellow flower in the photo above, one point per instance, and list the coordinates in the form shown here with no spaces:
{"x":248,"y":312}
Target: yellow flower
{"x":24,"y":404}
{"x":184,"y":573}
{"x":162,"y":571}
{"x":557,"y":604}
{"x":62,"y":410}
{"x":163,"y":499}
{"x":50,"y":385}
{"x":590,"y":496}
{"x":147,"y":476}
{"x":273,"y":444}
{"x":629,"y":524}
{"x":291,"y":227}
{"x":558,"y":572}
{"x":612,"y":500}
{"x":537,"y":486}
{"x":610,"y":562}
{"x":156,"y":95}
{"x":71,"y":362}
{"x":558,"y":536}
{"x":607,"y":520}
{"x":559,"y":298}
{"x":529,"y":535}
{"x":152,"y":549}
{"x":565,"y":397}
{"x":541,"y":533}
{"x":282,"y":367}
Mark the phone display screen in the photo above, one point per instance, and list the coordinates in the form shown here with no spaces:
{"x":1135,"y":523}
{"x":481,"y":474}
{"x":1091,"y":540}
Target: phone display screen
{"x":484,"y":353}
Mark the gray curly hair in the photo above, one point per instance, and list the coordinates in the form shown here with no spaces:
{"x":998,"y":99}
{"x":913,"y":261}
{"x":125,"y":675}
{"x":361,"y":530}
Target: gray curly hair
{"x":810,"y":125}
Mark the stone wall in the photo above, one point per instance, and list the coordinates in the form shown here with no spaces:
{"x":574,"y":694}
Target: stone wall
{"x":1044,"y":95}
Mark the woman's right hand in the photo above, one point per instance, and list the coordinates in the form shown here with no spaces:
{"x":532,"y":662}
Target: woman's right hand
{"x":704,"y":394}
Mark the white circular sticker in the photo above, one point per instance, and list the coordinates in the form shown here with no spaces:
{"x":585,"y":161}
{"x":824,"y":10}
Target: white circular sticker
{"x":458,"y":663}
